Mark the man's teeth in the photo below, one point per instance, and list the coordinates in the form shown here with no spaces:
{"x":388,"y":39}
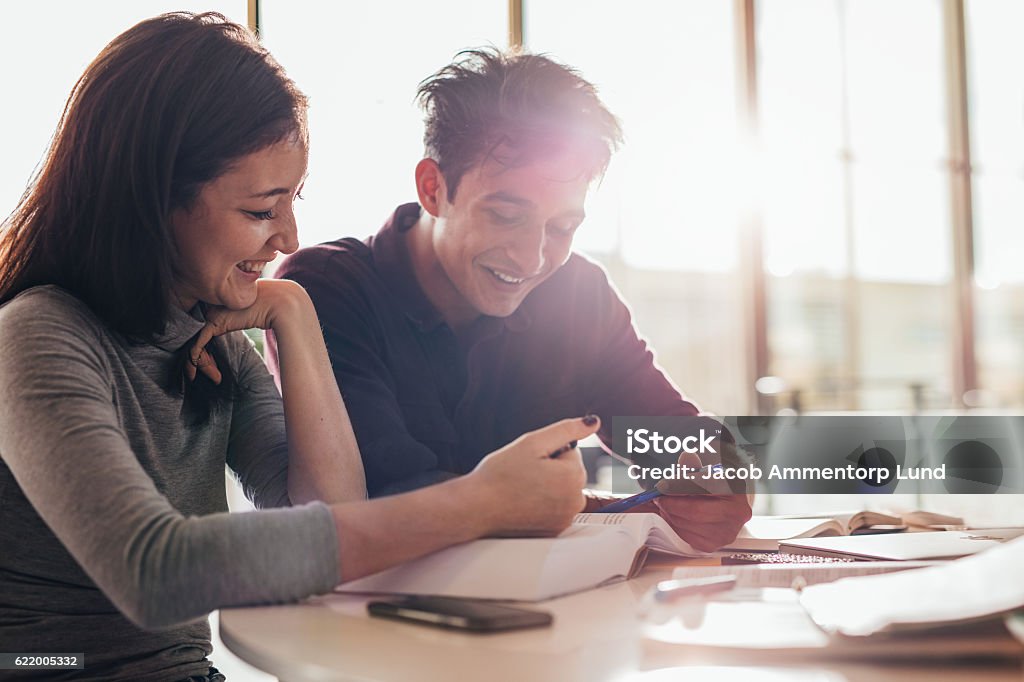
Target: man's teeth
{"x":252,"y":266}
{"x":506,"y":278}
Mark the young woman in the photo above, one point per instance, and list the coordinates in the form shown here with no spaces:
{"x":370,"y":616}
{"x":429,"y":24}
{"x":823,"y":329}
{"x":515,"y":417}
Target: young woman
{"x":126,"y":274}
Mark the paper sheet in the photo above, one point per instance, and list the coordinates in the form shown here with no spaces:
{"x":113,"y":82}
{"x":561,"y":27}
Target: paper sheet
{"x":781,"y":575}
{"x":974,"y":587}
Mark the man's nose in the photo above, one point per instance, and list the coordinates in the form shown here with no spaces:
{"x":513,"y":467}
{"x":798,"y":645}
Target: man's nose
{"x":527,"y":250}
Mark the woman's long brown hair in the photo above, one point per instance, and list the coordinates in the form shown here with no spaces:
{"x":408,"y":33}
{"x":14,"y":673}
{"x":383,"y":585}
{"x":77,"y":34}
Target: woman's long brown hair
{"x":163,"y":109}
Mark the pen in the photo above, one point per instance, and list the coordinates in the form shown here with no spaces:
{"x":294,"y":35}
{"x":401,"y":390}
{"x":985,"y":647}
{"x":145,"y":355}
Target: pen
{"x":627,"y":503}
{"x":562,"y":450}
{"x":670,"y":590}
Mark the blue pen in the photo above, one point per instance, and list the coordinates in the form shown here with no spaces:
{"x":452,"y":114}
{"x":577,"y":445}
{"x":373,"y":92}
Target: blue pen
{"x":629,"y":502}
{"x":638,"y":499}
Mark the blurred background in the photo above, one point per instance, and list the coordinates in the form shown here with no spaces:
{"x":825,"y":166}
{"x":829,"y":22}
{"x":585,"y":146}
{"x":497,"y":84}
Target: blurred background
{"x":819,"y":206}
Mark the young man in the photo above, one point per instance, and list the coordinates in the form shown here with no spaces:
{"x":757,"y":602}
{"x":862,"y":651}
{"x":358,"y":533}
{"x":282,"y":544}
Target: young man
{"x":467,"y":320}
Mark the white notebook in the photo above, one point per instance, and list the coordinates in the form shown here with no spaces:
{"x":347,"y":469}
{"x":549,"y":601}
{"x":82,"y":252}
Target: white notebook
{"x":596,"y":549}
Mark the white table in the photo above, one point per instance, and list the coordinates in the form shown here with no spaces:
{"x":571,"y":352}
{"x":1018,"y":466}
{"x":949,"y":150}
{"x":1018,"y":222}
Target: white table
{"x":596,"y":636}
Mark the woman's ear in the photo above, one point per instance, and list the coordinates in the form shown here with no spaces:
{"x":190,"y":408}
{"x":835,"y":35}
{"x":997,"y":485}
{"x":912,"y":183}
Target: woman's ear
{"x":430,"y":186}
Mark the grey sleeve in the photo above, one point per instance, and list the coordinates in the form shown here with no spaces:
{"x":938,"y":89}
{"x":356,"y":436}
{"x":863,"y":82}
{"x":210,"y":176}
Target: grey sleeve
{"x":60,"y":437}
{"x":258,"y":445}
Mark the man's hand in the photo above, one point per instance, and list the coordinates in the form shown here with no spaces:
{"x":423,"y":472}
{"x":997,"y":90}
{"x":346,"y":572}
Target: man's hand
{"x":707,"y":522}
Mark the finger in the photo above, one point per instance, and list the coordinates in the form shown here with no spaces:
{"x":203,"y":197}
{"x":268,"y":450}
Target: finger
{"x":206,"y":334}
{"x":717,"y":534}
{"x":210,"y":369}
{"x":690,"y":459}
{"x":707,"y":488}
{"x":552,"y":437}
{"x":704,"y":509}
{"x":697,"y":484}
{"x":190,"y":371}
{"x":574,"y":461}
{"x":572,"y":456}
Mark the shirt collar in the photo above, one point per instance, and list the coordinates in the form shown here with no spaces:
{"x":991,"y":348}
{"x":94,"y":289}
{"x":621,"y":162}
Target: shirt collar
{"x":391,"y":256}
{"x":180,"y":327}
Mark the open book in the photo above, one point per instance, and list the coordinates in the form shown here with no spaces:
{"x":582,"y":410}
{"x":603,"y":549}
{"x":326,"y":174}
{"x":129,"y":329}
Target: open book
{"x":763,"y":533}
{"x":596,"y":549}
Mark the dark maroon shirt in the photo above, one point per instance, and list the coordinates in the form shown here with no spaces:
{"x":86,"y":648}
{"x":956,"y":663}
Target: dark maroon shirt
{"x":425,"y":408}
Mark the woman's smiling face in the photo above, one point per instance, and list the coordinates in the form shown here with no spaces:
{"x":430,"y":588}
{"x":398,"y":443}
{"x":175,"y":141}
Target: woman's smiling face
{"x":238,"y":223}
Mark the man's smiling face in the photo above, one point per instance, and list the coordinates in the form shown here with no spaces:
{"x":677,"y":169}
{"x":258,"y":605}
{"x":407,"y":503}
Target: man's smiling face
{"x":506,"y":231}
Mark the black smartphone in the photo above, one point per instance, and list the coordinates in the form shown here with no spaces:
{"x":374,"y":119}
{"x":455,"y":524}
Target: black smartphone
{"x":459,"y":614}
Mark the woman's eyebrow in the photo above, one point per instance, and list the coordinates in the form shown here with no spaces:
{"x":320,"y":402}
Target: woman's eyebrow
{"x":278,"y":190}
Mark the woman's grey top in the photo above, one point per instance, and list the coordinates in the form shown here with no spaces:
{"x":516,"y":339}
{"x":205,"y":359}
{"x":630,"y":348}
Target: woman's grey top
{"x":115,"y":539}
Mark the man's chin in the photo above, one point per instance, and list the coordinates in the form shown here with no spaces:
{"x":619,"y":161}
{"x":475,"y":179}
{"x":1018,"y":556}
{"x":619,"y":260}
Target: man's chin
{"x":501,"y":308}
{"x":501,"y":303}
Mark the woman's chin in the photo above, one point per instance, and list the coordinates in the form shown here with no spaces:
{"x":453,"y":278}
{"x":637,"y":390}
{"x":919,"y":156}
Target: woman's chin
{"x":235,"y":300}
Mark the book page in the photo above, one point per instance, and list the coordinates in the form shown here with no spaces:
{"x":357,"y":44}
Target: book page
{"x":775,"y":528}
{"x":662,"y":538}
{"x":648,"y":529}
{"x":622,"y":519}
{"x":926,"y":519}
{"x":864,"y":520}
{"x":636,"y":525}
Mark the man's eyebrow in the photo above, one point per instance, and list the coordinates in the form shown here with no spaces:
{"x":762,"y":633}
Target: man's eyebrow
{"x":510,"y":198}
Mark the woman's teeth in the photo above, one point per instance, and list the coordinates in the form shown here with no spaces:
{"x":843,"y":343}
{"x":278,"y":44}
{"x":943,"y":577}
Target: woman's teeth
{"x":252,"y":266}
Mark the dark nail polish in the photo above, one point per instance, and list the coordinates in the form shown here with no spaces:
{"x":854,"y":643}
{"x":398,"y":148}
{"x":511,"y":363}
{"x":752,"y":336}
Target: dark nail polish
{"x":590,"y":419}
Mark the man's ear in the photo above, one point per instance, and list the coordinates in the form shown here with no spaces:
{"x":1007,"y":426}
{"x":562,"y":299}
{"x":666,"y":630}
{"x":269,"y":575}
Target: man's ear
{"x":430,"y":186}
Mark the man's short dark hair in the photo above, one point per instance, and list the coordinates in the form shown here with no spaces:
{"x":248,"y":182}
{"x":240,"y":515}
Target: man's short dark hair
{"x":513,"y":107}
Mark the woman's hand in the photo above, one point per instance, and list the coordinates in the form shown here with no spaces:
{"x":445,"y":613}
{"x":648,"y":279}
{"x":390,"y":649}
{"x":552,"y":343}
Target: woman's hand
{"x":276,"y":299}
{"x":517,"y":490}
{"x":529,"y":492}
{"x":323,"y":456}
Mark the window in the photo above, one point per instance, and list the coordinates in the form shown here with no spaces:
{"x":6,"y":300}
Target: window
{"x":854,"y":178}
{"x":360,"y":63}
{"x":50,"y":62}
{"x":663,"y":220}
{"x":856,"y":201}
{"x":996,"y":115}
